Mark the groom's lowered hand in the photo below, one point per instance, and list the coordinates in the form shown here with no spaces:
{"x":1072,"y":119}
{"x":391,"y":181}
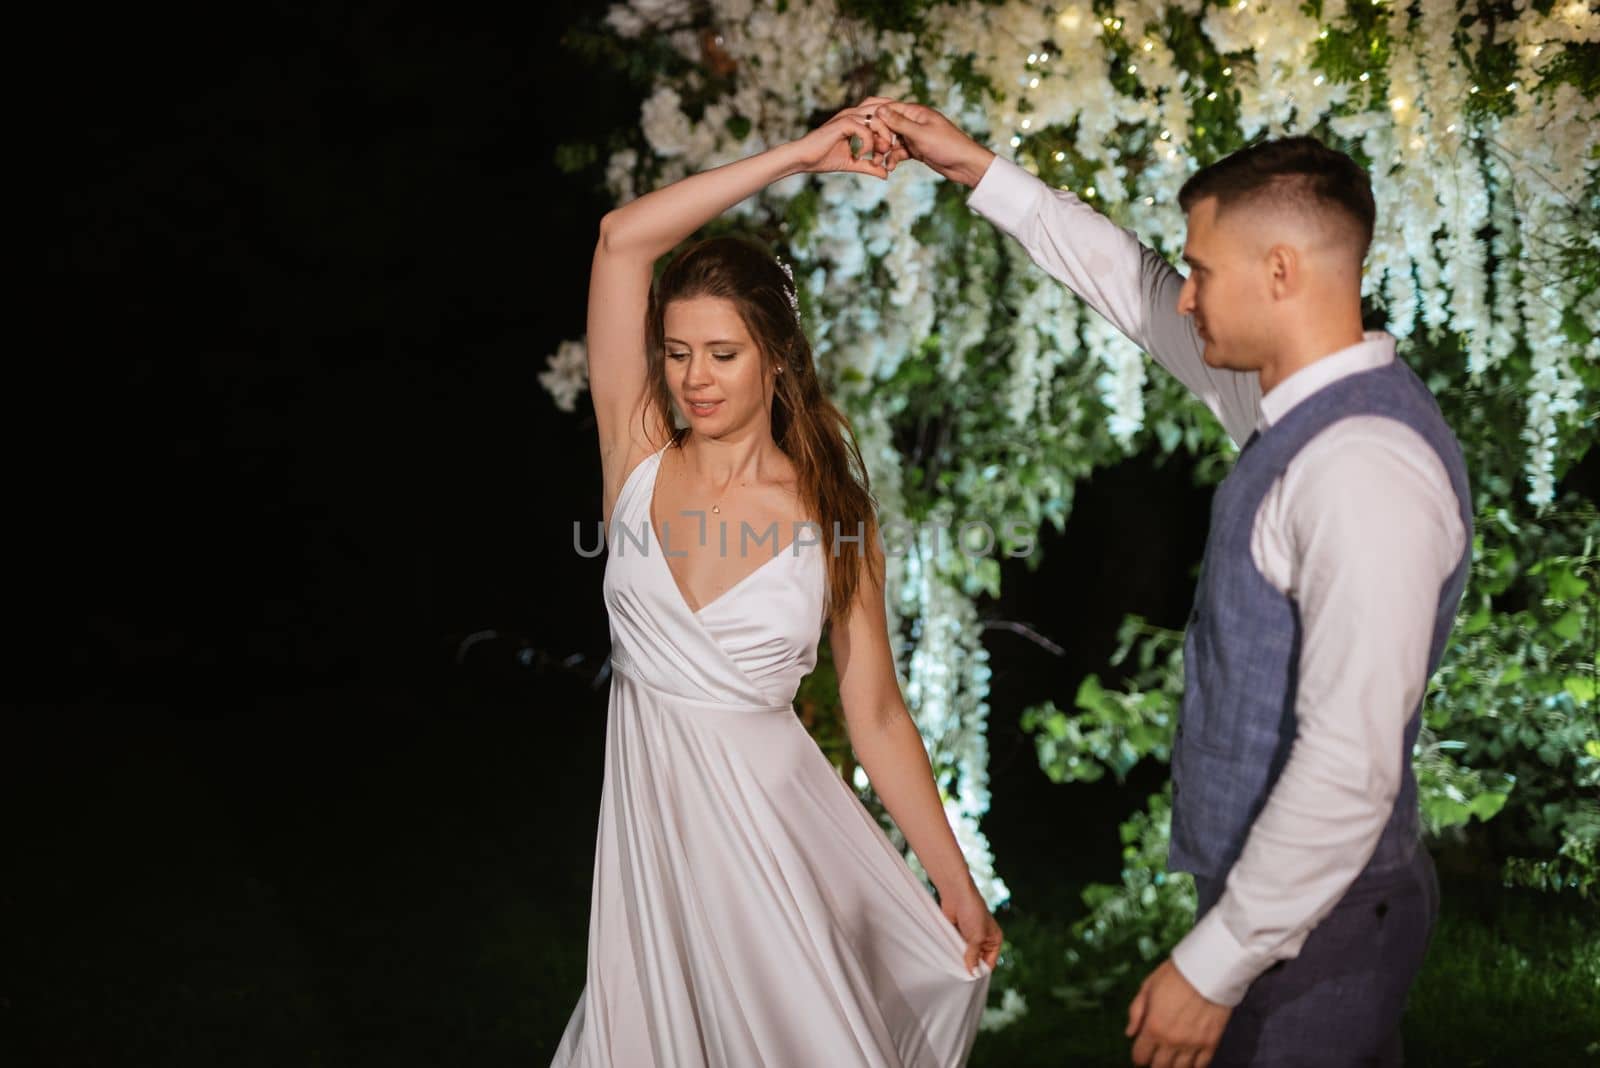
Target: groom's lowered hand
{"x":921,"y":133}
{"x":1171,"y":1024}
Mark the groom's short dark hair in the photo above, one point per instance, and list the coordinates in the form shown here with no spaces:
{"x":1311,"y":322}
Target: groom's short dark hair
{"x":1300,"y":171}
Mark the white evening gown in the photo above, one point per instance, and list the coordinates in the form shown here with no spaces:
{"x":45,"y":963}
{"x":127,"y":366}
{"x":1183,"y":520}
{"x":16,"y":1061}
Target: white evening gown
{"x":747,"y":911}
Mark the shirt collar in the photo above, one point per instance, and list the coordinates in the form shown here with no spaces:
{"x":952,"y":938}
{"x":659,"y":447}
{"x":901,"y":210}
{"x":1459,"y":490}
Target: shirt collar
{"x":1375,"y":349}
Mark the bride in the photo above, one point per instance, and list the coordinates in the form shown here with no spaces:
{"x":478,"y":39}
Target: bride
{"x":746,"y":909}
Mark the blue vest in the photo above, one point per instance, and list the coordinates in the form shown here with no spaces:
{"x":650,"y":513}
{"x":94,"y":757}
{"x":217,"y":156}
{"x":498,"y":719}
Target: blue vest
{"x":1242,"y":647}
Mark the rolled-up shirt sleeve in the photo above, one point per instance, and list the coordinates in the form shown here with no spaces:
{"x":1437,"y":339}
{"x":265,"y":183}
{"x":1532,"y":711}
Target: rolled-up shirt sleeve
{"x":1126,"y":281}
{"x":1373,"y":532}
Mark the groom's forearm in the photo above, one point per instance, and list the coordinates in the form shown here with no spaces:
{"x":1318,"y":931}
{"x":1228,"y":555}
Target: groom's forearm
{"x":973,"y":164}
{"x":1127,"y":282}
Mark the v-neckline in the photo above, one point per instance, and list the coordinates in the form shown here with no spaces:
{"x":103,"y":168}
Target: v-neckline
{"x":683,"y":598}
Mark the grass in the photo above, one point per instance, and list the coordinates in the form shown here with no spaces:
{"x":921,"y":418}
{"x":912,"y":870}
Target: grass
{"x":414,"y":891}
{"x":1512,"y":978}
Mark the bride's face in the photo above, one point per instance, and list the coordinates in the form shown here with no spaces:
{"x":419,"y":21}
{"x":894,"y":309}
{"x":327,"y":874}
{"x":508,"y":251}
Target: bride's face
{"x":715,"y":369}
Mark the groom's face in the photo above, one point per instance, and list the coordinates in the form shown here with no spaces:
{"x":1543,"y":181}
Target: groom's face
{"x":1224,"y":293}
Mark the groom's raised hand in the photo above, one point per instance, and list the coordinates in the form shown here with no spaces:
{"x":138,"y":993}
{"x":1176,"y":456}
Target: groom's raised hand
{"x":1171,"y":1024}
{"x":921,"y":133}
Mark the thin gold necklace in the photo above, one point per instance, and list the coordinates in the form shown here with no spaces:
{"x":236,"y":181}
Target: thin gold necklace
{"x":716,"y":507}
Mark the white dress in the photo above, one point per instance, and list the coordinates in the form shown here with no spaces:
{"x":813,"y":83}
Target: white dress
{"x":747,"y":910}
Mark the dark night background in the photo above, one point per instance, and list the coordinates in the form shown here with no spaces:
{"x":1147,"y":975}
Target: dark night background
{"x":291,"y":452}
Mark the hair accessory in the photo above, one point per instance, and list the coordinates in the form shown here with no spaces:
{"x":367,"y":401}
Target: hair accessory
{"x":790,"y":291}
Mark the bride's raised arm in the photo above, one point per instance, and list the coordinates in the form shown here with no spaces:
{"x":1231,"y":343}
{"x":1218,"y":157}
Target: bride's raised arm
{"x":635,"y":235}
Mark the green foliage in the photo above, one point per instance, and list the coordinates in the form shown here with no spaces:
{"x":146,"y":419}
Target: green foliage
{"x":1500,"y":957}
{"x":1517,"y":694}
{"x":1511,"y":728}
{"x":1115,"y":729}
{"x":1133,"y":924}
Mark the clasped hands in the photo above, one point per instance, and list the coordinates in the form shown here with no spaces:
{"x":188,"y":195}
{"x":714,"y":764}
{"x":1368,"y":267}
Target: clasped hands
{"x":889,"y":132}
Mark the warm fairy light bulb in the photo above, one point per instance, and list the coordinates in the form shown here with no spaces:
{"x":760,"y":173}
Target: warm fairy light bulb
{"x":1015,"y":141}
{"x":1027,"y":123}
{"x":1318,"y":80}
{"x":1149,"y":200}
{"x":1060,"y":156}
{"x":1211,"y":96}
{"x":1365,"y":76}
{"x":1227,"y":72}
{"x":1133,"y":68}
{"x":1033,"y":57}
{"x":1323,"y":36}
{"x":1474,"y":89}
{"x":1166,"y":135}
{"x":1149,"y":46}
{"x":1044,"y":57}
{"x":1398,"y":103}
{"x":1089,"y":192}
{"x":1033,"y":83}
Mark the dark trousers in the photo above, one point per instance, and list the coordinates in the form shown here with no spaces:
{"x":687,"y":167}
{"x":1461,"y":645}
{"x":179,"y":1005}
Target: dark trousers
{"x":1339,"y":1002}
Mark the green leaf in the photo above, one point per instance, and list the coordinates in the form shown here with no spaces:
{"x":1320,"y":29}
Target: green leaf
{"x":1569,"y":626}
{"x":1442,"y":812}
{"x":1477,"y":622}
{"x":1091,"y":695}
{"x":1487,"y":805}
{"x":1563,"y":585}
{"x":1582,"y":689}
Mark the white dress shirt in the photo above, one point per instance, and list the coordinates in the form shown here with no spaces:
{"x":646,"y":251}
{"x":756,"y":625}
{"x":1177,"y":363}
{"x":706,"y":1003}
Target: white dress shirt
{"x":1361,"y":531}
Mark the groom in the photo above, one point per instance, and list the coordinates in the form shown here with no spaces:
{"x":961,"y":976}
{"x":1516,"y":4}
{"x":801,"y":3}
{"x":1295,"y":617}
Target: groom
{"x":1338,"y":550}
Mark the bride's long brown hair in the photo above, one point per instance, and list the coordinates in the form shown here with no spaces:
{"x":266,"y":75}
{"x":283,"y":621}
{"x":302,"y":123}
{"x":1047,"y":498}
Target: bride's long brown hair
{"x":806,"y":425}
